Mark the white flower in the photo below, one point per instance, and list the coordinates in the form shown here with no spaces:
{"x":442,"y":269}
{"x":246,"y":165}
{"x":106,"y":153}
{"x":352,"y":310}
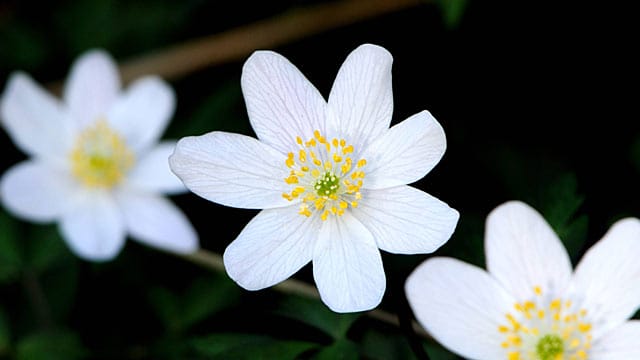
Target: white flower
{"x":530,"y":305}
{"x":95,"y":165}
{"x":330,"y":175}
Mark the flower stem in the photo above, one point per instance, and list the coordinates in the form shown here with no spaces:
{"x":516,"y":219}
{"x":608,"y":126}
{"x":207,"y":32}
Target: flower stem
{"x":213,"y":261}
{"x":191,"y":56}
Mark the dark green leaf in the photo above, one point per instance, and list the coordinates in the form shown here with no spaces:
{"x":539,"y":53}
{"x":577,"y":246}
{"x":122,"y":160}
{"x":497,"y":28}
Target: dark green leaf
{"x":315,"y":313}
{"x":560,"y":202}
{"x":452,"y":11}
{"x":437,"y":352}
{"x":45,"y":248}
{"x":249,"y":346}
{"x":380,"y":345}
{"x":10,"y":262}
{"x":204,"y":298}
{"x":63,"y":345}
{"x":342,"y":349}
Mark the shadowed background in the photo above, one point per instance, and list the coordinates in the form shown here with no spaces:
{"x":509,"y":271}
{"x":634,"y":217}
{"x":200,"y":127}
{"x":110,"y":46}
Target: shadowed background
{"x":535,"y":98}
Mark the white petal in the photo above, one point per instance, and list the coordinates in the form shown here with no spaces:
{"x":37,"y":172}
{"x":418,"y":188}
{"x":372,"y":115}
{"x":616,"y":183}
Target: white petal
{"x":622,"y":343}
{"x":523,"y":251}
{"x":152,"y":171}
{"x":155,"y":221}
{"x":273,"y":246}
{"x":405,"y":220}
{"x":405,"y":153}
{"x":607,"y":277}
{"x":461,"y":306}
{"x":94,"y":229}
{"x":361,"y":99}
{"x":281,"y":102}
{"x":232,"y":170}
{"x":34,"y":191}
{"x":34,"y":119}
{"x":92,"y":87}
{"x":142,"y":113}
{"x":347,"y":266}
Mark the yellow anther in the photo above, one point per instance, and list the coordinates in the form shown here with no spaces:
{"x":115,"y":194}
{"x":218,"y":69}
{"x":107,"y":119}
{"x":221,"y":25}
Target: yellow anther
{"x":347,"y":150}
{"x":361,"y":163}
{"x":344,"y":204}
{"x":335,"y":142}
{"x":302,"y":155}
{"x":514,"y":356}
{"x":292,"y":179}
{"x":583,"y":327}
{"x":299,"y":140}
{"x":337,"y":158}
{"x":304,"y":210}
{"x":290,"y":161}
{"x":540,"y":314}
{"x":537,"y":290}
{"x":343,"y":142}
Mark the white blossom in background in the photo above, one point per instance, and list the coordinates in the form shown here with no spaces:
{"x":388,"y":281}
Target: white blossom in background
{"x":330,"y":176}
{"x":95,"y":165}
{"x":531,"y":305}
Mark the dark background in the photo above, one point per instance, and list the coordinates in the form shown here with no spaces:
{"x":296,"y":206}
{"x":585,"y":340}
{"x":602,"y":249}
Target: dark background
{"x":538,"y":101}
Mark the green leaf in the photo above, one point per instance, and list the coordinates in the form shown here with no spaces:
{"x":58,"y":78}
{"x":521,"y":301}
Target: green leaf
{"x":379,"y":345}
{"x":204,"y":298}
{"x":10,"y":262}
{"x":45,"y":248}
{"x":316,"y":314}
{"x":22,"y":46}
{"x":216,"y":112}
{"x":342,"y":349}
{"x":560,"y":202}
{"x":249,"y":346}
{"x":437,"y":352}
{"x":452,"y":11}
{"x":63,"y":345}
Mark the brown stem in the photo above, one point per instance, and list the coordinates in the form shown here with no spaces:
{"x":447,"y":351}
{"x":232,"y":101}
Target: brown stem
{"x":235,"y":44}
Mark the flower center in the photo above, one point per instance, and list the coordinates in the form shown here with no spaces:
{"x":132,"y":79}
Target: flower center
{"x":550,"y":347}
{"x":100,"y":158}
{"x":546,"y":328}
{"x":324,"y":176}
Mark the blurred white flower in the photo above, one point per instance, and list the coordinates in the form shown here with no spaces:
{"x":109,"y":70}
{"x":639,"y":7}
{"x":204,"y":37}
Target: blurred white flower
{"x":95,"y":164}
{"x":331,"y":177}
{"x":530,"y":305}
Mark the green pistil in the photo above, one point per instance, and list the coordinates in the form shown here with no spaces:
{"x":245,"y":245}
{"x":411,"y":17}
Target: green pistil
{"x":327,"y":185}
{"x":549,"y":346}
